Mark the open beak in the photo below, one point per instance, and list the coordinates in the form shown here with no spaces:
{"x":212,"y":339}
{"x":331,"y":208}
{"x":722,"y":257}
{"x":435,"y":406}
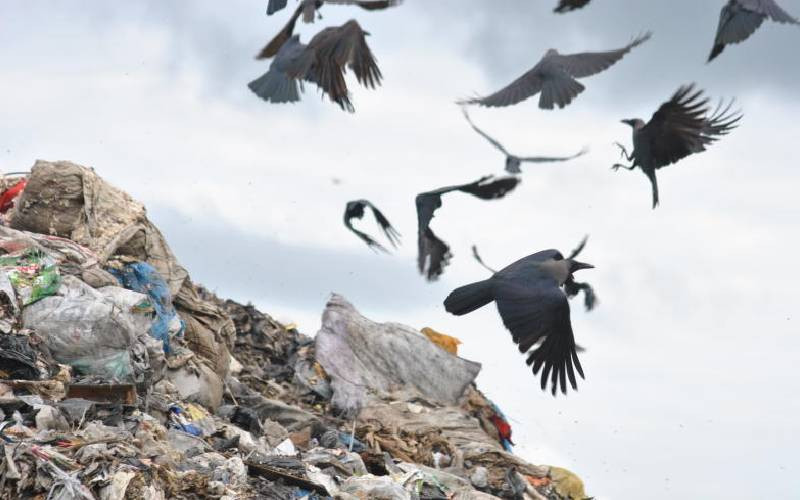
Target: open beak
{"x":577,"y":266}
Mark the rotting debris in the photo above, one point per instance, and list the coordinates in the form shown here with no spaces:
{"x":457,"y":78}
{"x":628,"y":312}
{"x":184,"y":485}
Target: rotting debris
{"x":120,"y":378}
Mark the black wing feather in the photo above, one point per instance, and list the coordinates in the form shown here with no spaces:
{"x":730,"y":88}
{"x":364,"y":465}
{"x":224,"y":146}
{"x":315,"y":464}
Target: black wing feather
{"x":683,"y":126}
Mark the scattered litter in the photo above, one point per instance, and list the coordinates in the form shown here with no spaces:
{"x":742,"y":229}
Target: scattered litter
{"x":110,"y":393}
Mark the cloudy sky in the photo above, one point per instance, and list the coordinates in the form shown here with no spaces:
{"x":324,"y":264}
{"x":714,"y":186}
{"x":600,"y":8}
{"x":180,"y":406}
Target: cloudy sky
{"x":691,"y":388}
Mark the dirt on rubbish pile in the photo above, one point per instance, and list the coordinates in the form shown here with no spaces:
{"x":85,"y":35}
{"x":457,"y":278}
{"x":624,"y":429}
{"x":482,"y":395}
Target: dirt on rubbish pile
{"x":121,"y":378}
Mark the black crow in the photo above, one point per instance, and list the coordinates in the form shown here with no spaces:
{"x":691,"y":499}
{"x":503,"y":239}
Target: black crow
{"x":513,"y":162}
{"x":433,"y":254}
{"x":355,"y":210}
{"x":682,"y":126}
{"x":321,"y":62}
{"x":554,"y":76}
{"x":535,"y":309}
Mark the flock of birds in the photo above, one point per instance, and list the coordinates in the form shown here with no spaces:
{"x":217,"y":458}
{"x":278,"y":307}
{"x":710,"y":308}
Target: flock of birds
{"x":532,"y":293}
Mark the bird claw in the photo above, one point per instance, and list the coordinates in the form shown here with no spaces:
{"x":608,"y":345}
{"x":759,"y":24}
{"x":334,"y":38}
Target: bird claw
{"x":623,"y":153}
{"x":617,"y":166}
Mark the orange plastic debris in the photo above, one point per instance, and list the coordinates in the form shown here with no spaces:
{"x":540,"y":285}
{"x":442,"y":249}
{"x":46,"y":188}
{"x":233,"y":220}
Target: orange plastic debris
{"x":538,"y":482}
{"x":446,"y":342}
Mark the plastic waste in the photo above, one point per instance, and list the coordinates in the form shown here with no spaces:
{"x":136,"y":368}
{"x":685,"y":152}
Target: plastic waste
{"x":33,"y":274}
{"x":97,"y":332}
{"x":143,"y":278}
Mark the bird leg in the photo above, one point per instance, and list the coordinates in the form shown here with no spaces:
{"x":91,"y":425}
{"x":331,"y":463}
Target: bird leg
{"x":623,"y":153}
{"x":572,"y":288}
{"x":617,"y":166}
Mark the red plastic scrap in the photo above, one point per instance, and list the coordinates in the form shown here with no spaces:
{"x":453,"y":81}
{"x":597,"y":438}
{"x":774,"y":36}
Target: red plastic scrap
{"x":503,"y":427}
{"x":7,"y":198}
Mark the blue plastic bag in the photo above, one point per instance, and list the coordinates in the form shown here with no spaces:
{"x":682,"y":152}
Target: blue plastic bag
{"x":143,"y":278}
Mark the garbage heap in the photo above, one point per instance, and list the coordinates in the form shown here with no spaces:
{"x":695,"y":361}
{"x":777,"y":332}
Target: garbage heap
{"x":122,"y":379}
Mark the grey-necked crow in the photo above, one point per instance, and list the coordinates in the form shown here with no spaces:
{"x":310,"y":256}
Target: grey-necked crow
{"x":682,"y":126}
{"x":555,"y":77}
{"x":534,"y":307}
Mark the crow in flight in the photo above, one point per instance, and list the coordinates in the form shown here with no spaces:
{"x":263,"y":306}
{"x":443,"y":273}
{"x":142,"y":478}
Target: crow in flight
{"x":321,"y":62}
{"x":355,"y":210}
{"x":554,"y":77}
{"x":535,"y":309}
{"x":433,"y":254}
{"x":513,"y":162}
{"x":682,"y":126}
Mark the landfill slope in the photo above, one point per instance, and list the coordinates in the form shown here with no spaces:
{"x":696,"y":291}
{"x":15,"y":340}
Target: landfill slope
{"x":121,"y":378}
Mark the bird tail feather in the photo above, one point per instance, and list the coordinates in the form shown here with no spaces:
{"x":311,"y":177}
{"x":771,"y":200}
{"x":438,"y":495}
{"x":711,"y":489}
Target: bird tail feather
{"x":276,"y":86}
{"x":651,"y":174}
{"x":559,"y":92}
{"x":468,"y":298}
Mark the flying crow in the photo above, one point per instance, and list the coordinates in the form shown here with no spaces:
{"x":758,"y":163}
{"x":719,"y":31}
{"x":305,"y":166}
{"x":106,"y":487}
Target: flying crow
{"x":554,"y":77}
{"x":512,"y":161}
{"x":321,"y":62}
{"x":681,"y":126}
{"x":355,"y":210}
{"x":433,"y":254}
{"x":535,"y":309}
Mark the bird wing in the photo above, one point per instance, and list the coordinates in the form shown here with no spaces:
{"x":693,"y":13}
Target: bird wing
{"x":488,"y":188}
{"x":535,"y":310}
{"x":329,"y":51}
{"x":274,"y":45}
{"x":769,"y":8}
{"x":577,"y":251}
{"x":735,"y":25}
{"x":477,"y":257}
{"x":569,"y":5}
{"x":275,"y":5}
{"x":347,"y":45}
{"x":683,"y":126}
{"x":486,"y":136}
{"x":355,"y":210}
{"x":590,"y":63}
{"x":433,"y":254}
{"x":546,"y":159}
{"x":517,"y":91}
{"x":367,"y":4}
{"x":391,"y":233}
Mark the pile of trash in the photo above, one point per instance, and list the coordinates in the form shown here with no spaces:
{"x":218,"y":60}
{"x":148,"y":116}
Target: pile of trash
{"x":122,"y":379}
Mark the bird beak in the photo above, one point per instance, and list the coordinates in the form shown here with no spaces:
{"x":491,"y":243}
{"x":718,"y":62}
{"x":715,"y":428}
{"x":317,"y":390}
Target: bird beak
{"x":627,"y":122}
{"x":577,"y":266}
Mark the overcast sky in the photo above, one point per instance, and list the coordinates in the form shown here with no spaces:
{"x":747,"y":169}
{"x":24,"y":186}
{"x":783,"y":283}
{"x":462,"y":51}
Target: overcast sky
{"x":691,"y":388}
